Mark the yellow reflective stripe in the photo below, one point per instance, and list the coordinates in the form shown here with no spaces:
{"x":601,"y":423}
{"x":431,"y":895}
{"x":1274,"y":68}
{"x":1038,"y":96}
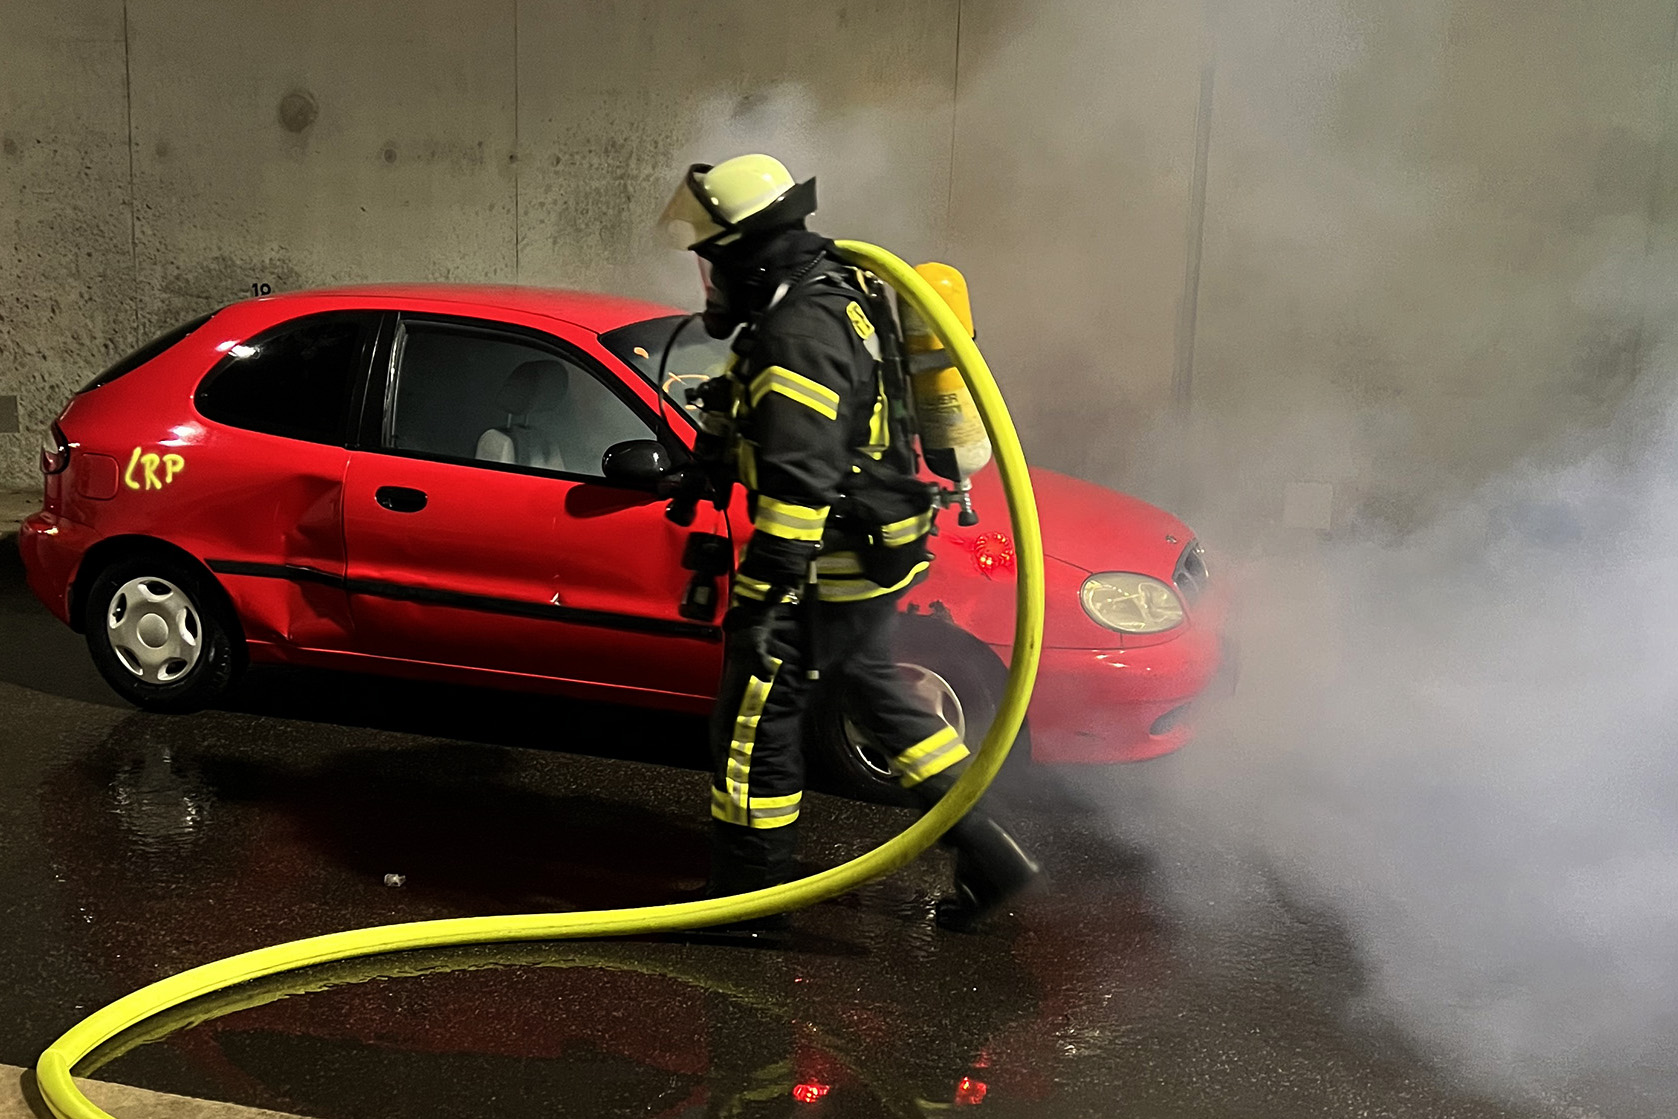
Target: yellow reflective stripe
{"x":856,"y":590}
{"x":755,"y":590}
{"x":782,"y":375}
{"x":934,"y":765}
{"x":776,"y":528}
{"x":781,"y":821}
{"x":809,"y":402}
{"x":839,"y":563}
{"x":764,"y":812}
{"x":791,"y":510}
{"x":928,"y":744}
{"x":906,"y":531}
{"x":795,"y":386}
{"x":932,"y":755}
{"x":733,"y":807}
{"x":789,"y":521}
{"x":747,"y":587}
{"x":773,"y":812}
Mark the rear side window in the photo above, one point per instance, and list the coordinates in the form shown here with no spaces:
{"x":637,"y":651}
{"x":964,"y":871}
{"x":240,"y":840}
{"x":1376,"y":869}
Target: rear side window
{"x":154,"y":348}
{"x":296,"y":380}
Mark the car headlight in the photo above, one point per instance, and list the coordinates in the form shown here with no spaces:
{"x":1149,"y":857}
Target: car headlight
{"x":1131,"y":603}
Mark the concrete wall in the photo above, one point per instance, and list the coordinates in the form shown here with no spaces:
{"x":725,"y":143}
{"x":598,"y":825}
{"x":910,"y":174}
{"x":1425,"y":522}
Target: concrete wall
{"x":161,"y":156}
{"x":297,"y":144}
{"x":616,"y":99}
{"x":1428,"y":227}
{"x":67,"y":293}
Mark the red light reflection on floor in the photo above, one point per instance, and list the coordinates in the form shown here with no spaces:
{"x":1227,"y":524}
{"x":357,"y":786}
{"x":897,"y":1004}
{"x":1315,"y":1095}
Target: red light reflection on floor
{"x":810,"y":1091}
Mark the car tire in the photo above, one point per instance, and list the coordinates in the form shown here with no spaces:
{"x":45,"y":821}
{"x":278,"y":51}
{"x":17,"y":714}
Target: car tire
{"x":161,"y":634}
{"x":951,"y":670}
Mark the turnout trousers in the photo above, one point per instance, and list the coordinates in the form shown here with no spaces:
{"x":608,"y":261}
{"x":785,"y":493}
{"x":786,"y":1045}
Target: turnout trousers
{"x":757,"y":730}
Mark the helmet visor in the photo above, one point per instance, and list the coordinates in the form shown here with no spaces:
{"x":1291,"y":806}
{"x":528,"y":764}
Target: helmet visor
{"x":687,"y":221}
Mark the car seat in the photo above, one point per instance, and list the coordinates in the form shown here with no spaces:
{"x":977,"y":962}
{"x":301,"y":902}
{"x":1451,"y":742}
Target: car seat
{"x":534,"y":399}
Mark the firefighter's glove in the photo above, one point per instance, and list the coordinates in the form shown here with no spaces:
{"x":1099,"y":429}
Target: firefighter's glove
{"x":756,"y":633}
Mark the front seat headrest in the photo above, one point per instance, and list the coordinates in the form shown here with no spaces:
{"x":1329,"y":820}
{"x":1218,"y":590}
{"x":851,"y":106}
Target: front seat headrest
{"x":535,"y":386}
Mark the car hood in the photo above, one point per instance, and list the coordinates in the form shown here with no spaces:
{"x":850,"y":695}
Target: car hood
{"x":1091,"y":527}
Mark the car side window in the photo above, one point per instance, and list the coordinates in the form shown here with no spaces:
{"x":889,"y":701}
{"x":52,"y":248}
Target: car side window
{"x":296,"y":380}
{"x":484,"y":396}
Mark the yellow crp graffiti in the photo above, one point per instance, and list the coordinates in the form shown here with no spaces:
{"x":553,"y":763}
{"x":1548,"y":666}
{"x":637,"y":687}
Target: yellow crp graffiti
{"x":147,"y":464}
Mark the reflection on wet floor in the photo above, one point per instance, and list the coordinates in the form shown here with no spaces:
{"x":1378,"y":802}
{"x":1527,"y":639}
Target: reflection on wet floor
{"x":137,"y":846}
{"x":224,"y":832}
{"x":475,"y":829}
{"x":654,"y":1029}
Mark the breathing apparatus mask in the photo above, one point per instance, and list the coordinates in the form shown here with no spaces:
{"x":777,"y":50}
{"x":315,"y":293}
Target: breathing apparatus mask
{"x":729,"y":294}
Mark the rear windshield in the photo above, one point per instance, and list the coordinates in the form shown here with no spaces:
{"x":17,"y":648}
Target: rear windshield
{"x":694,"y":355}
{"x":145,"y":353}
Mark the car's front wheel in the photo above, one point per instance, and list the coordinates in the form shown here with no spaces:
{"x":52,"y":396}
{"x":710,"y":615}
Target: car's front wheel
{"x":948,"y":674}
{"x":159,"y":636}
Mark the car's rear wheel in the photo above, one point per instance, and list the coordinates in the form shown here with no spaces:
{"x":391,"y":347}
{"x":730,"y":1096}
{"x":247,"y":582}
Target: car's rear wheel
{"x":948,"y":672}
{"x":159,"y":636}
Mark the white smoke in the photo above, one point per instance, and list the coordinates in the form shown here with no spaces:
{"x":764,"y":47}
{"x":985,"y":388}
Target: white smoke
{"x":1463,"y":746}
{"x":1428,"y":283}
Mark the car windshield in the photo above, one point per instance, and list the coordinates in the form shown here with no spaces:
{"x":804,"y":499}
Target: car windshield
{"x":695,"y":356}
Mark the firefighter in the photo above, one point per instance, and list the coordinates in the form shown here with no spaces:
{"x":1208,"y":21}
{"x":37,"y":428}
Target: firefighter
{"x":840,"y":525}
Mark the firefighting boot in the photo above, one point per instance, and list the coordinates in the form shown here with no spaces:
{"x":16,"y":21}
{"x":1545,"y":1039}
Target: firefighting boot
{"x":743,"y":860}
{"x":991,"y":867}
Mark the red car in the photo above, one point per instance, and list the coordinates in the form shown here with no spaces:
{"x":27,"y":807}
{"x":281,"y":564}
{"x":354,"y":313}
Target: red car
{"x":463,"y":483}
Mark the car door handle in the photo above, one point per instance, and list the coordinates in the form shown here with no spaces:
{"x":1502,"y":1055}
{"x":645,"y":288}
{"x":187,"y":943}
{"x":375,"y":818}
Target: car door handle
{"x":400,"y":499}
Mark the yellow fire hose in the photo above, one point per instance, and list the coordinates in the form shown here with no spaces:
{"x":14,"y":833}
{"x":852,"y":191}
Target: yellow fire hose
{"x":53,"y":1070}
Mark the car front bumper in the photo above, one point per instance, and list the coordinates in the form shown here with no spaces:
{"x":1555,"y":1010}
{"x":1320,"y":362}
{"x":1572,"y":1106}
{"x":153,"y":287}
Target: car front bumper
{"x":1122,"y":705}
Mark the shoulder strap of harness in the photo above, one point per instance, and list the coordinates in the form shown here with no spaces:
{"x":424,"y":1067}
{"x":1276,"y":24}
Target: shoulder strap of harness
{"x":894,"y":378}
{"x":812,"y":273}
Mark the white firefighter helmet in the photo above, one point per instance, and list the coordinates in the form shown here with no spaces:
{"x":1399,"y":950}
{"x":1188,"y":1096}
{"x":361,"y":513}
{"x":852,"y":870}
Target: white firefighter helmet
{"x":716,"y":205}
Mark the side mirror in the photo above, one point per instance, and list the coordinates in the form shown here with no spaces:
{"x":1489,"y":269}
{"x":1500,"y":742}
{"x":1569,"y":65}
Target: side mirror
{"x":638,"y":462}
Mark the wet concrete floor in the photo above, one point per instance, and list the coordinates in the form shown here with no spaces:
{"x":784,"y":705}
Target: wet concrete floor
{"x":137,"y":845}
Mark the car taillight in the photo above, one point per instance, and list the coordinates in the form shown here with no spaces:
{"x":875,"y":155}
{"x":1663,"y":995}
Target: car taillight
{"x":55,"y":451}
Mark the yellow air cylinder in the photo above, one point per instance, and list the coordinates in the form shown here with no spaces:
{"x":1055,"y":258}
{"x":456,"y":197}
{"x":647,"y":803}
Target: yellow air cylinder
{"x":953,"y":435}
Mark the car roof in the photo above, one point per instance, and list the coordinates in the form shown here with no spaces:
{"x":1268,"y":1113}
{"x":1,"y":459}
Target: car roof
{"x":590,"y":310}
